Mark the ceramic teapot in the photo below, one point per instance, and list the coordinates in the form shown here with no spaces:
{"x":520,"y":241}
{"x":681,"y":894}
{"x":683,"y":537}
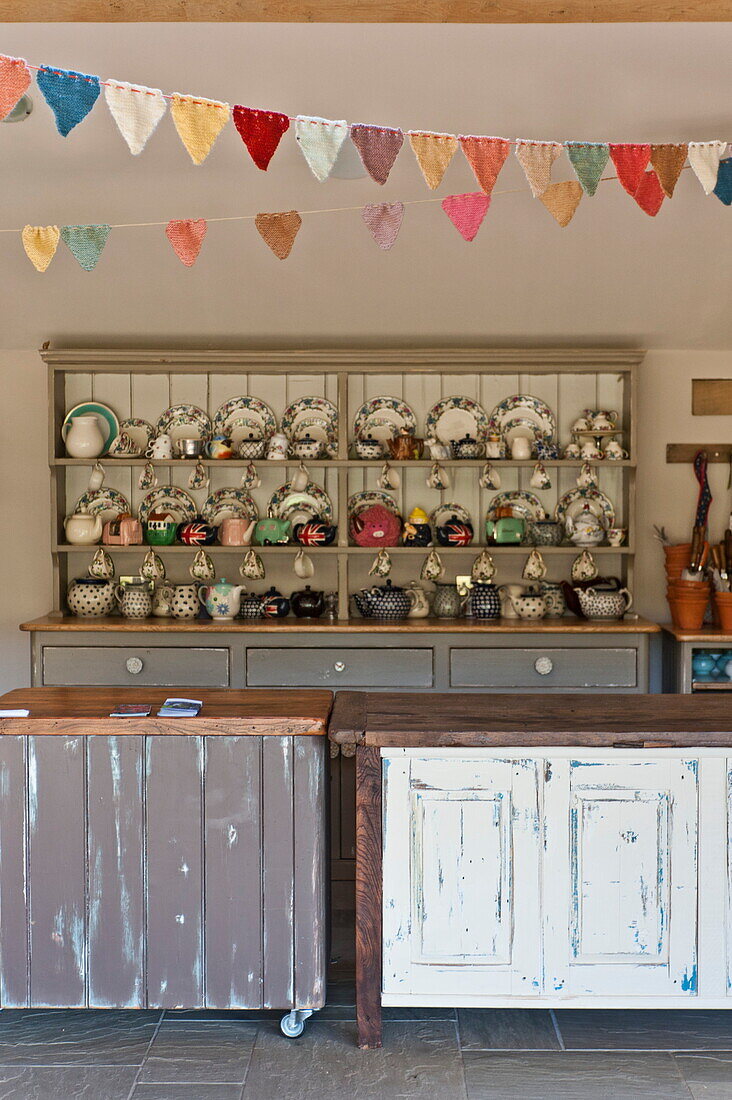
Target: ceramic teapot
{"x":604,"y":603}
{"x":467,"y":447}
{"x":387,"y":601}
{"x":530,"y":605}
{"x":160,"y":529}
{"x":586,"y":529}
{"x":83,"y":529}
{"x":454,"y":533}
{"x":274,"y":604}
{"x":307,"y":603}
{"x":196,"y":532}
{"x":316,"y":532}
{"x":236,"y":531}
{"x":221,"y":600}
{"x":404,"y":446}
{"x":506,"y":530}
{"x":124,"y":530}
{"x":271,"y":532}
{"x":90,"y":597}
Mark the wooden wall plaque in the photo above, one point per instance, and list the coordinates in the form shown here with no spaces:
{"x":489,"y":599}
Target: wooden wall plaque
{"x":711,"y":396}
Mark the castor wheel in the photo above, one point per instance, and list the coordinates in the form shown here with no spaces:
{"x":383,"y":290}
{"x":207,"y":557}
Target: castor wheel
{"x":292,"y":1023}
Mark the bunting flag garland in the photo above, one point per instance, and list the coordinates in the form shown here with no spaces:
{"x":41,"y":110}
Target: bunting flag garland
{"x":384,"y":220}
{"x":486,"y":156}
{"x":15,"y":78}
{"x":261,"y":132}
{"x":588,"y":160}
{"x":631,"y":161}
{"x":723,"y":186}
{"x":378,"y":148}
{"x":320,"y":141}
{"x":536,"y":158}
{"x":186,"y":238}
{"x":136,"y":109}
{"x":649,"y":193}
{"x":704,"y":158}
{"x":562,"y":200}
{"x":70,"y":95}
{"x":667,"y":162}
{"x":86,"y":243}
{"x":433,"y":152}
{"x":466,"y":212}
{"x":40,"y":243}
{"x":198,"y":122}
{"x":278,"y":231}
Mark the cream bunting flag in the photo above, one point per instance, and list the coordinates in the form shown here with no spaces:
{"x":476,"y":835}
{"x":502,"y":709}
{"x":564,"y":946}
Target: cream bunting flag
{"x":136,"y":109}
{"x":433,"y":152}
{"x":320,"y":140}
{"x":198,"y":122}
{"x":704,"y":158}
{"x":562,"y":200}
{"x":40,"y":243}
{"x":278,"y":231}
{"x":536,"y":158}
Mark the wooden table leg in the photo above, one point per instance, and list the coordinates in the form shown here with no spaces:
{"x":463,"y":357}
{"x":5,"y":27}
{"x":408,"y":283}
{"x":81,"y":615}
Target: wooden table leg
{"x":368,"y":896}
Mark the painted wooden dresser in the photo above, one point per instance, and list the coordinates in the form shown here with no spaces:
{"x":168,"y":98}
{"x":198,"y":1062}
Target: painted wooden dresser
{"x":164,"y":863}
{"x":572,"y":853}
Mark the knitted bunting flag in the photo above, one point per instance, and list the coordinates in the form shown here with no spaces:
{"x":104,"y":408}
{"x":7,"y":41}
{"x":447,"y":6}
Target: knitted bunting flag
{"x":466,"y":212}
{"x":486,"y":156}
{"x":704,"y":158}
{"x":198,"y":122}
{"x":278,"y":231}
{"x":15,"y":80}
{"x":261,"y":132}
{"x":40,"y":243}
{"x":433,"y":152}
{"x":186,"y":238}
{"x":723,"y":186}
{"x":667,"y":162}
{"x":630,"y":163}
{"x":384,"y":220}
{"x":136,"y":109}
{"x":536,"y":158}
{"x":85,"y":242}
{"x":70,"y":95}
{"x":649,"y":194}
{"x":378,"y":148}
{"x":320,"y":140}
{"x":562,"y":199}
{"x":588,"y":160}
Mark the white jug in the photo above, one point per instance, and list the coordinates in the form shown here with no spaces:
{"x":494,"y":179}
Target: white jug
{"x":83,"y":437}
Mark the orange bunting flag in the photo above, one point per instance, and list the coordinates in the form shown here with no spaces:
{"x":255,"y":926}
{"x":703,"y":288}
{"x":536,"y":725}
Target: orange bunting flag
{"x":486,"y":156}
{"x":667,"y":162}
{"x":631,"y":161}
{"x":198,"y":122}
{"x":536,"y":158}
{"x":278,"y":231}
{"x":433,"y":152}
{"x":649,"y":193}
{"x":15,"y":80}
{"x":40,"y":243}
{"x":562,"y":199}
{"x":466,"y":212}
{"x":186,"y":238}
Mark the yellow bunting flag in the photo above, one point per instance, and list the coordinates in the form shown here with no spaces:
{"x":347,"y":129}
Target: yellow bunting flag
{"x":562,"y":199}
{"x":40,"y":243}
{"x":278,"y":231}
{"x":198,"y":122}
{"x":536,"y":158}
{"x":433,"y":152}
{"x":667,"y":162}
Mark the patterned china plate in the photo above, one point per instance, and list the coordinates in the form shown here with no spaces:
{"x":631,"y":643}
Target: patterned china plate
{"x":454,"y":417}
{"x":108,"y":421}
{"x":317,"y":428}
{"x":523,"y":404}
{"x":444,"y":512}
{"x":168,"y":498}
{"x":360,"y":501}
{"x":389,"y":410}
{"x":106,"y":503}
{"x":575,"y":500}
{"x":241,"y":427}
{"x":286,"y":500}
{"x":525,"y":505}
{"x":522,"y":425}
{"x":229,"y":504}
{"x":184,"y":422}
{"x":141,"y":432}
{"x":245,"y":406}
{"x":319,"y":407}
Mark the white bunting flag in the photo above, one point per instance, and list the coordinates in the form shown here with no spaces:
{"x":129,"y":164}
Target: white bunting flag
{"x":136,"y":110}
{"x":320,"y":140}
{"x":704,"y":158}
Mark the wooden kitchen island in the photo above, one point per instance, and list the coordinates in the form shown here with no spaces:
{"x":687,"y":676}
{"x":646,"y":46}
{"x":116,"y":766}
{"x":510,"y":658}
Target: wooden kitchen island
{"x":556,"y":852}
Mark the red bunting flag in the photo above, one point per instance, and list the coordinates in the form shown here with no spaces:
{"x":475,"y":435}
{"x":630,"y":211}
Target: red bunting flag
{"x":378,"y":148}
{"x":630,"y":163}
{"x":486,"y":156}
{"x":649,"y":194}
{"x":466,"y":212}
{"x":186,"y":238}
{"x":261,"y":132}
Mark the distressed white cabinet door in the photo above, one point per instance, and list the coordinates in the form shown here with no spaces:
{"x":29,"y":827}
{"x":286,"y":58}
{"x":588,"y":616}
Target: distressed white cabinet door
{"x":461,"y":876}
{"x":621,"y":877}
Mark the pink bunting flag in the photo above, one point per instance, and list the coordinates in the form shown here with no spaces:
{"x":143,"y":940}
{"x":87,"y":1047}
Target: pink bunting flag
{"x":649,"y":193}
{"x":466,"y":212}
{"x":186,"y":238}
{"x":378,"y":148}
{"x":384,"y":221}
{"x":15,"y":80}
{"x":630,"y":163}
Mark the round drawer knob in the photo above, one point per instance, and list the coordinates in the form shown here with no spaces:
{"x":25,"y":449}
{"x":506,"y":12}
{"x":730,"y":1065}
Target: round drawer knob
{"x":340,"y":666}
{"x":134,"y":665}
{"x":544,"y":665}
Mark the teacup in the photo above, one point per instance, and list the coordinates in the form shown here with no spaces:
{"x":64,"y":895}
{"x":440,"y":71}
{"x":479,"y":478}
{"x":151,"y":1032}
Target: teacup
{"x":540,"y":478}
{"x":123,"y":445}
{"x":432,"y":567}
{"x":438,"y":478}
{"x":489,"y":477}
{"x":252,"y":567}
{"x":616,"y":535}
{"x":572,"y":450}
{"x":587,"y":477}
{"x":590,"y":450}
{"x":484,"y":568}
{"x":614,"y":451}
{"x":535,"y":567}
{"x":161,"y":447}
{"x":96,"y":477}
{"x":581,"y":424}
{"x":148,"y":479}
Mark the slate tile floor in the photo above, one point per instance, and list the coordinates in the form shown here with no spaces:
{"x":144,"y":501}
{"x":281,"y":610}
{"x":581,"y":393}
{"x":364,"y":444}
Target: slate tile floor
{"x":431,"y":1054}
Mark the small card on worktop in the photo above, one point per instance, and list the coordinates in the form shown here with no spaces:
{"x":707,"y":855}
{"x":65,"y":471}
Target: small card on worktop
{"x":180,"y":708}
{"x":14,"y":713}
{"x":132,"y":710}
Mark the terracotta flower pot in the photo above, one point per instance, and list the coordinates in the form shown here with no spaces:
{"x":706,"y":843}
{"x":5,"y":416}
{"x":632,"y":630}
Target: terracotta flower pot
{"x":723,"y":607}
{"x":687,"y":614}
{"x":678,"y":558}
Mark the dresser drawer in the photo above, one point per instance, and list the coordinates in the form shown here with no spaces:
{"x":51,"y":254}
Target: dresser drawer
{"x":339,"y":667}
{"x":123,"y":665}
{"x":606,"y":667}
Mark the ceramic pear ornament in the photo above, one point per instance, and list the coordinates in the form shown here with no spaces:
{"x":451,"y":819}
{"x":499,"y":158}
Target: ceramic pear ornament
{"x":381,"y":565}
{"x":202,"y":567}
{"x":489,"y":477}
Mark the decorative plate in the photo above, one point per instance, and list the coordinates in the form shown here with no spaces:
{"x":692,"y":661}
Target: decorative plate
{"x":360,"y":501}
{"x":242,"y":427}
{"x":522,"y":425}
{"x":454,"y":417}
{"x":141,"y":432}
{"x":184,"y":422}
{"x":106,"y":503}
{"x":444,"y":512}
{"x":389,"y":410}
{"x":229,"y":504}
{"x":523,"y":404}
{"x":286,"y":500}
{"x":317,"y":428}
{"x":168,"y":498}
{"x":574,"y":500}
{"x":525,"y":505}
{"x":319,"y":407}
{"x":250,"y":407}
{"x":108,"y":421}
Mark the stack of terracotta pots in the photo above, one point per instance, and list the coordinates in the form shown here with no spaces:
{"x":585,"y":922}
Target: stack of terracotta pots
{"x":688,"y":600}
{"x":723,"y":610}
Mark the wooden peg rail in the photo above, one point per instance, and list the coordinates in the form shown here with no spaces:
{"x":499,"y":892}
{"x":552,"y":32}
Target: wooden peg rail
{"x":685,"y":452}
